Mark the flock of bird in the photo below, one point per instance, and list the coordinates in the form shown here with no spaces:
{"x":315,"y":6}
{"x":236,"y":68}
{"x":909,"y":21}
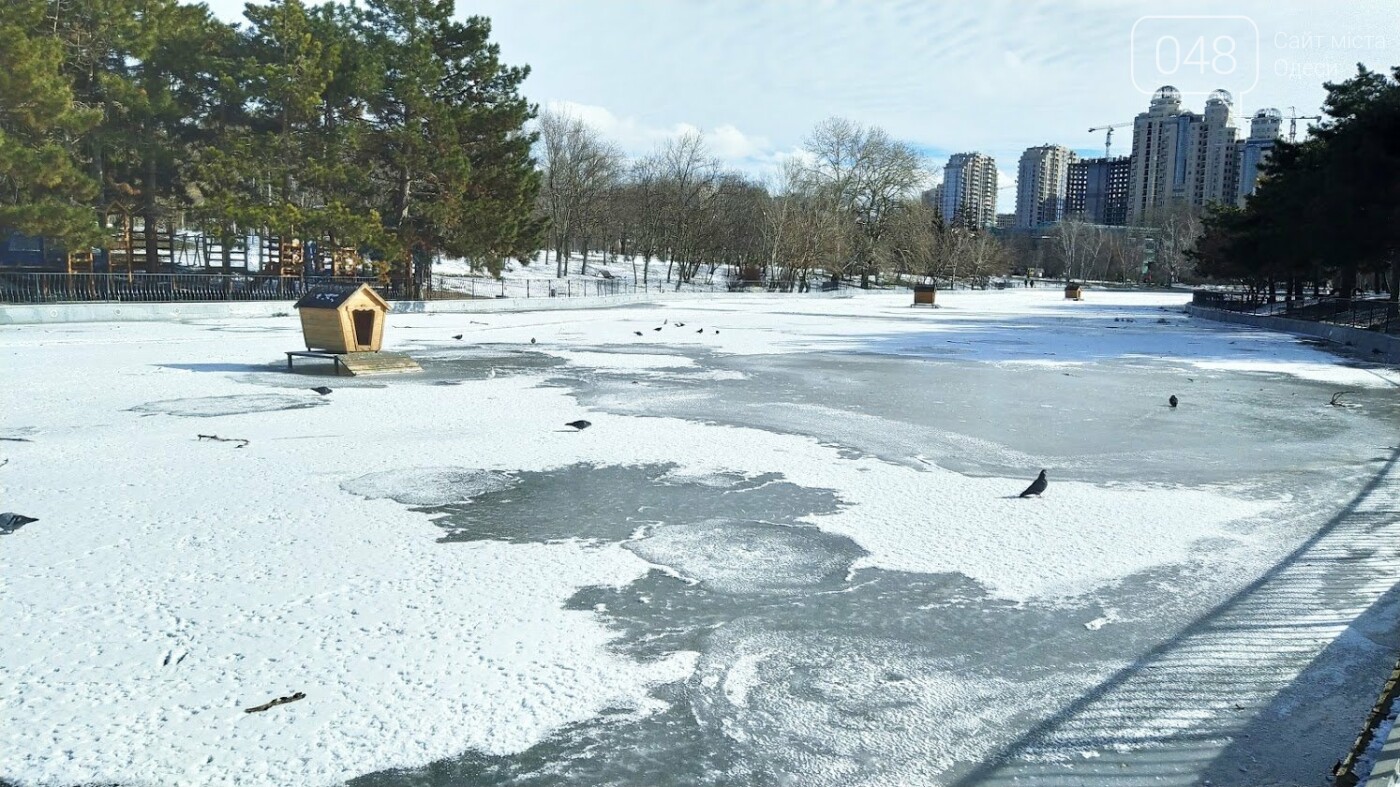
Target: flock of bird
{"x":667,"y":321}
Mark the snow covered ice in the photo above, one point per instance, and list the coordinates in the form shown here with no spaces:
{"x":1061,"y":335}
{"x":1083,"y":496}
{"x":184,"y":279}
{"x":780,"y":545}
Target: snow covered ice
{"x":787,"y":554}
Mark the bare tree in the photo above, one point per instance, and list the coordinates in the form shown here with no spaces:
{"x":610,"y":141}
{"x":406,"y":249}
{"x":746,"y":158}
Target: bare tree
{"x":867,"y":174}
{"x":579,"y":170}
{"x":1092,"y":245}
{"x":1177,"y":226}
{"x":1070,"y":235}
{"x":688,"y":175}
{"x":914,"y":243}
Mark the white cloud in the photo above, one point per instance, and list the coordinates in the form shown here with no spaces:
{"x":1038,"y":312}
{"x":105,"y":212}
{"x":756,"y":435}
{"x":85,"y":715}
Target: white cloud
{"x":750,"y":153}
{"x":630,"y":133}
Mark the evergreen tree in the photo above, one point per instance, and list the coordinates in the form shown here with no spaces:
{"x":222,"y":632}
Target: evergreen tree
{"x":448,"y":147}
{"x":43,"y":188}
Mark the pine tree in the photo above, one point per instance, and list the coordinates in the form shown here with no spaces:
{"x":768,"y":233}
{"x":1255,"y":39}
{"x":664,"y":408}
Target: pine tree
{"x":447,"y":146}
{"x":43,"y":189}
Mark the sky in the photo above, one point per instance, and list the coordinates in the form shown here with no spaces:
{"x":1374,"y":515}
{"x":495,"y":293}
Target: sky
{"x":755,"y":76}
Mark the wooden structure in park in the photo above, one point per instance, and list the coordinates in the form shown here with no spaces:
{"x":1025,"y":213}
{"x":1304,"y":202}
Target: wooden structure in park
{"x":343,"y":319}
{"x":345,"y":325}
{"x":1074,"y":292}
{"x":924,"y":294}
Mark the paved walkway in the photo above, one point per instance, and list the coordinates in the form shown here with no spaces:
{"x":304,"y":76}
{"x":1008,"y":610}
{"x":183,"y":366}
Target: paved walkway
{"x":1271,"y":687}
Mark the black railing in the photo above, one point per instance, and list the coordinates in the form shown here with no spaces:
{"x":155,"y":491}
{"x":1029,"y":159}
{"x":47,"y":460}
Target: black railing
{"x":162,"y":287}
{"x":46,"y":287}
{"x":1372,"y":314}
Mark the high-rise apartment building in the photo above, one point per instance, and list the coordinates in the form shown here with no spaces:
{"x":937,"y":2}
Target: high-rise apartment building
{"x":1265,"y":129}
{"x":1213,"y":170}
{"x":1182,"y":157}
{"x":1097,"y":190}
{"x":1040,"y":185}
{"x":970,"y":191}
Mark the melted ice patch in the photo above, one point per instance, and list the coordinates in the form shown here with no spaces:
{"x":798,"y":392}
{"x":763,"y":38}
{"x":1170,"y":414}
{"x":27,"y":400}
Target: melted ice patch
{"x":213,"y":406}
{"x":749,"y":557}
{"x":429,"y":486}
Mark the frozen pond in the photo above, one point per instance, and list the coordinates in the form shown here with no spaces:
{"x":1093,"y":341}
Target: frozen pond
{"x":790,"y":552}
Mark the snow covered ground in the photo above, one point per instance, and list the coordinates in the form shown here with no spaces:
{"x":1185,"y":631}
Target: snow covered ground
{"x":789,"y":548}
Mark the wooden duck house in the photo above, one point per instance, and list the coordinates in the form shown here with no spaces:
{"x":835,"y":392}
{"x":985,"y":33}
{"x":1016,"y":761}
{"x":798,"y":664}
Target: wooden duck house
{"x":1074,"y":292}
{"x":346,"y":325}
{"x":924,"y":293}
{"x":345,"y":319}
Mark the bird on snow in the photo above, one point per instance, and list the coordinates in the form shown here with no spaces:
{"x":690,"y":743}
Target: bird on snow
{"x":492,"y":373}
{"x":532,"y":340}
{"x":580,"y":424}
{"x":1171,"y":400}
{"x":321,"y":389}
{"x":657,"y":328}
{"x":10,"y":522}
{"x":1037,"y":486}
{"x":680,"y":325}
{"x":639,"y":333}
{"x":458,"y":336}
{"x":702,"y":330}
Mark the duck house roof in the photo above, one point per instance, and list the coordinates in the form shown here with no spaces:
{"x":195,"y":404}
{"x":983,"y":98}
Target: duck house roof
{"x":333,"y":296}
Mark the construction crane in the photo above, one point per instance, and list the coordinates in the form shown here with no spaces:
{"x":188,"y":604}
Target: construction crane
{"x":1108,"y":138}
{"x":1293,"y":118}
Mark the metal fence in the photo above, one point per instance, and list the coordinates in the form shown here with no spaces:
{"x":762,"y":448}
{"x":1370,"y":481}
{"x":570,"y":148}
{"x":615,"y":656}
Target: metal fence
{"x":162,"y":287}
{"x":455,"y":286}
{"x":45,"y":287}
{"x":1372,"y":314}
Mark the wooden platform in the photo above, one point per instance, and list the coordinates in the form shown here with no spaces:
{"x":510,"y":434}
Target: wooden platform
{"x":360,"y":364}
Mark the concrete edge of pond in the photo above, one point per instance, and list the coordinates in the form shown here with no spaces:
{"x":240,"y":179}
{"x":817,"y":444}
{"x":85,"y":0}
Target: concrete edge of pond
{"x":1368,"y":344}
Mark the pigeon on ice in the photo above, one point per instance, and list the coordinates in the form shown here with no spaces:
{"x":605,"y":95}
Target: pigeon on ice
{"x":580,"y":424}
{"x":702,"y":330}
{"x":656,"y":328}
{"x":639,"y":333}
{"x":1171,"y":400}
{"x":457,"y":336}
{"x":322,"y":390}
{"x":10,"y":522}
{"x":532,"y":340}
{"x":1037,"y":486}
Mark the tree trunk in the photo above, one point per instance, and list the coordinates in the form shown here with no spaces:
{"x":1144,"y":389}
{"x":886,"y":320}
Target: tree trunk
{"x":148,"y":216}
{"x":1348,"y":281}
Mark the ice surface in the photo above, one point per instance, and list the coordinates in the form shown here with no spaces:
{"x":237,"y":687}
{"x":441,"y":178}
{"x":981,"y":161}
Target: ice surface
{"x":428,"y":486}
{"x":749,"y":557}
{"x":788,"y":552}
{"x":214,"y":406}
